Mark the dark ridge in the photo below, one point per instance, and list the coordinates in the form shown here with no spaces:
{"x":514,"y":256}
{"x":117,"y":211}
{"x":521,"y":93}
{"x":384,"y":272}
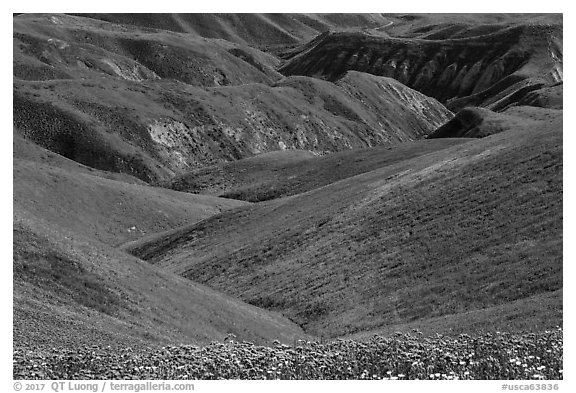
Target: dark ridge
{"x":464,"y":124}
{"x":247,"y":57}
{"x":493,"y":91}
{"x":472,"y":69}
{"x":61,"y":132}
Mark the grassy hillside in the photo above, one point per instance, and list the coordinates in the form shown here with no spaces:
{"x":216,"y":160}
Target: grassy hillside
{"x":530,"y":314}
{"x":469,"y":227}
{"x":480,"y":122}
{"x":140,"y":141}
{"x":72,"y":288}
{"x":291,"y":172}
{"x":106,"y":210}
{"x":71,"y":292}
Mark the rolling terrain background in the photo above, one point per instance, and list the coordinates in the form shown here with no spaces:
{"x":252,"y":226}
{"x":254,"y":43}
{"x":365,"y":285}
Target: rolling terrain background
{"x":181,"y":177}
{"x":155,"y":103}
{"x":452,"y":231}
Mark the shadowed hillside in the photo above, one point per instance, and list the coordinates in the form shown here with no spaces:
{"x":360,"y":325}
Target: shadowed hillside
{"x":24,"y":149}
{"x":481,"y":122}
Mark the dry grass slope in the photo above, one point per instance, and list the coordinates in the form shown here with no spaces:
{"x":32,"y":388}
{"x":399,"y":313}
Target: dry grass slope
{"x":279,"y":174}
{"x":480,"y":122}
{"x":106,"y":210}
{"x":469,"y":227}
{"x":360,"y":228}
{"x":72,"y":287}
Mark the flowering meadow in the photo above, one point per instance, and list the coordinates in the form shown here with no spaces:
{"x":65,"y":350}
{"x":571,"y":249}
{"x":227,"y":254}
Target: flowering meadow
{"x":534,"y":356}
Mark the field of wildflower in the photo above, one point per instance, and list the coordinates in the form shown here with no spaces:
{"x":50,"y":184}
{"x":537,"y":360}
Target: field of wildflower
{"x":533,"y":356}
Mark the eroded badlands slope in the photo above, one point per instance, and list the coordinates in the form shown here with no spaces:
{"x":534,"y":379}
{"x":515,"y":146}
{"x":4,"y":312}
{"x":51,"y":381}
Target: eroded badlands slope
{"x":152,"y":103}
{"x":493,"y":70}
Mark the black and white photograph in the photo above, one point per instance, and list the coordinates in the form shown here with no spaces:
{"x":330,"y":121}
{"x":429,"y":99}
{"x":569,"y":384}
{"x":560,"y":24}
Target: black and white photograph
{"x":286,"y":196}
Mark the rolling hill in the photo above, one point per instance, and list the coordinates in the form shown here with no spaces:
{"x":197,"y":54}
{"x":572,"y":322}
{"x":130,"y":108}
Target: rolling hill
{"x":106,"y":210}
{"x":71,"y":292}
{"x":278,"y":174}
{"x":156,"y":131}
{"x":480,"y":122}
{"x":259,"y":30}
{"x":154,"y":103}
{"x":181,"y":177}
{"x":457,"y":230}
{"x":72,"y":287}
{"x":437,"y":26}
